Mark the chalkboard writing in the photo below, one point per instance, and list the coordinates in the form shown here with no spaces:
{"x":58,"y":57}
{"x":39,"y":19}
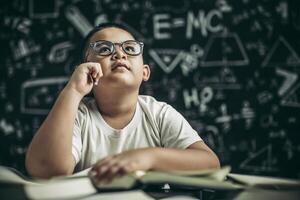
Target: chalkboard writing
{"x":230,"y":67}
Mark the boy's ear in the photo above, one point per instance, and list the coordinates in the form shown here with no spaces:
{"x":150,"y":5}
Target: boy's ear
{"x":146,"y":72}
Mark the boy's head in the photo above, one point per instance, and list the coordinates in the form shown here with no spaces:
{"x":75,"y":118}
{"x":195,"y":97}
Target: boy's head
{"x":86,"y":41}
{"x":119,"y":55}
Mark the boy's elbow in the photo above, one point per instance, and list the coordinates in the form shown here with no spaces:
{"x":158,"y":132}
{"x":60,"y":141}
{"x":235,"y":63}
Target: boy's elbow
{"x":213,"y":160}
{"x":46,"y":170}
{"x":216,"y":162}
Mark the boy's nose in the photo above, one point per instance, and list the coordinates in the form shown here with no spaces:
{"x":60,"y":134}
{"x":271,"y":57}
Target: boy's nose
{"x":119,"y":53}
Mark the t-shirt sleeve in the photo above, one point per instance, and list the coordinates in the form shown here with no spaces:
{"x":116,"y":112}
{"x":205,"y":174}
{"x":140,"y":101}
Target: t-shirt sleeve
{"x":76,"y":139}
{"x":176,"y":132}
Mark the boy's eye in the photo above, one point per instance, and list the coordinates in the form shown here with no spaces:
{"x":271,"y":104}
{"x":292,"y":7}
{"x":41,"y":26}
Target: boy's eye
{"x":103,"y":49}
{"x":130,"y":49}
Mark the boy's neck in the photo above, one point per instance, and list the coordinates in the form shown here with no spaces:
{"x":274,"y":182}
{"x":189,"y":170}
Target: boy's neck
{"x":117,"y":109}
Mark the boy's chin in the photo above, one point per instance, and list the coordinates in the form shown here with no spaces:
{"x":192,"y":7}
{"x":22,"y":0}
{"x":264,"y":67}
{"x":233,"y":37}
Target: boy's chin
{"x":120,"y":84}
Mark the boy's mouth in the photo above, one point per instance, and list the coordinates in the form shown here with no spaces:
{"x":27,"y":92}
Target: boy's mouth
{"x":118,"y":65}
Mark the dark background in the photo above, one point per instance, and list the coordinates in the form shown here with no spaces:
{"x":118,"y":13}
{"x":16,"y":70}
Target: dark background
{"x":230,"y":67}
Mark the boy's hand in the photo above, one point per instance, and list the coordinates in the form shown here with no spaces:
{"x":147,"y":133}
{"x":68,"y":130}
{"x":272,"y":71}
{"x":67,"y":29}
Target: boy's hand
{"x":85,"y":76}
{"x":118,"y":165}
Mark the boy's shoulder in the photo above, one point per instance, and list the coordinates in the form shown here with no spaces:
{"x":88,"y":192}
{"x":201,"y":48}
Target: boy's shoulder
{"x":150,"y":100}
{"x":152,"y":105}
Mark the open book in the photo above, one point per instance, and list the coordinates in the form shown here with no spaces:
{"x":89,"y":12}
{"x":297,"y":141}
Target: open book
{"x":209,"y":179}
{"x":13,"y":184}
{"x":262,"y":182}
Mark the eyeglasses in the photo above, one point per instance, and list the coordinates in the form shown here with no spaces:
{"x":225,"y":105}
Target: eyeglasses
{"x":106,"y":48}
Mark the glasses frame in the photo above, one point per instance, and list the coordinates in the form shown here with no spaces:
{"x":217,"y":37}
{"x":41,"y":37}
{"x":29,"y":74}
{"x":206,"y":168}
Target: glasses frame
{"x":93,"y":44}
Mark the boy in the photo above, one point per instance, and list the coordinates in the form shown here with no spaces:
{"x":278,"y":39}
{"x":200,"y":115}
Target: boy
{"x":118,"y":131}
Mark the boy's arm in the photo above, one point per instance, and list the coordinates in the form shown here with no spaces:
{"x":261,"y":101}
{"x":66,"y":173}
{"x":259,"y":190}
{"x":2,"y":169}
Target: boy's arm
{"x":196,"y":157}
{"x":50,"y":152}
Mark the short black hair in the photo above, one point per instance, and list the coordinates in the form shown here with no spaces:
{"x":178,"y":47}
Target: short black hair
{"x":99,"y":27}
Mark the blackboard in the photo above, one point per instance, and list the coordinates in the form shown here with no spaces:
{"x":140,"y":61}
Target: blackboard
{"x":230,"y":67}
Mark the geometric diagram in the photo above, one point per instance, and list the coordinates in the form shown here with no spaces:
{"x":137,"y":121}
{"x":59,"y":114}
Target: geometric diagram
{"x":39,"y":95}
{"x":292,"y":98}
{"x":281,"y":53}
{"x":43,"y":9}
{"x":224,"y":49}
{"x":290,"y":79}
{"x":167,"y":59}
{"x":78,"y":20}
{"x":260,"y":161}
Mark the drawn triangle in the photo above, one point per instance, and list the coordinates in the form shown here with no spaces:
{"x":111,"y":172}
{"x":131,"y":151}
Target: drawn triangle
{"x":281,"y":54}
{"x":260,"y":160}
{"x":292,"y":97}
{"x":230,"y":51}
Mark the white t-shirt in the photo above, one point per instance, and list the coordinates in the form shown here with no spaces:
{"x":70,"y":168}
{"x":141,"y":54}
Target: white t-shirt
{"x":154,"y":124}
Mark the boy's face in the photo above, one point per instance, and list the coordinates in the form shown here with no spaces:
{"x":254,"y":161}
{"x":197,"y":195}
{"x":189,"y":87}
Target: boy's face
{"x":120,"y":70}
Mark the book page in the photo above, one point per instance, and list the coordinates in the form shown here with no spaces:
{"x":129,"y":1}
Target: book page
{"x":216,"y":174}
{"x":153,"y":177}
{"x":252,"y":180}
{"x":132,"y":195}
{"x":9,"y":175}
{"x":60,"y":189}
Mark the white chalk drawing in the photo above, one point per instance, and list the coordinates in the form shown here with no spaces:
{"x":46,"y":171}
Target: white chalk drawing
{"x":36,"y":97}
{"x":224,"y":49}
{"x":248,"y":114}
{"x":225,"y":79}
{"x":260,"y":161}
{"x":281,"y":54}
{"x":78,"y":20}
{"x":190,"y":62}
{"x":48,"y":11}
{"x":206,"y":96}
{"x":223,"y":6}
{"x":290,"y":148}
{"x":290,"y":80}
{"x":264,"y":97}
{"x":283,"y":10}
{"x":292,"y":98}
{"x":199,"y":99}
{"x":268,"y":121}
{"x":23,"y":48}
{"x":167,"y":59}
{"x":190,"y":97}
{"x":6,"y":128}
{"x":59,"y":52}
{"x":224,"y":119}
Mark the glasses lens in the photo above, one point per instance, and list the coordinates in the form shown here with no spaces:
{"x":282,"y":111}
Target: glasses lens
{"x":103,"y":48}
{"x":132,"y":47}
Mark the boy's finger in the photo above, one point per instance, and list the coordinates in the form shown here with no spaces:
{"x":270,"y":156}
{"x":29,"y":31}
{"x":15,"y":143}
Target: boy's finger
{"x":99,"y":75}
